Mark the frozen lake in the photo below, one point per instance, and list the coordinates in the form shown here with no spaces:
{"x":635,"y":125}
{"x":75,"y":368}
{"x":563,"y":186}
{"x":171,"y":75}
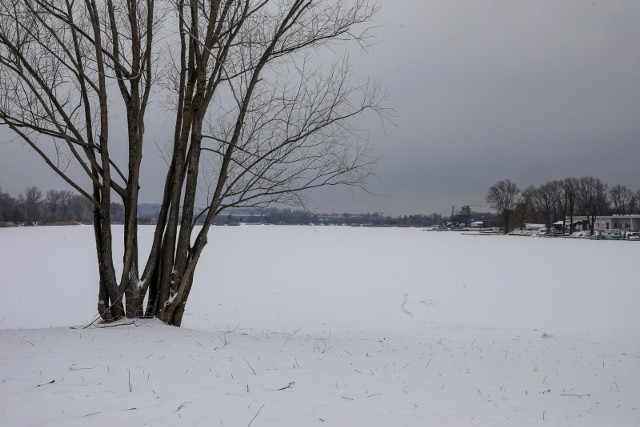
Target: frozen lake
{"x":325,"y":278}
{"x":330,"y":326}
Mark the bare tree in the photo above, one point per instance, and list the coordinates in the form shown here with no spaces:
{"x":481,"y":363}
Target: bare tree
{"x":53,"y":201}
{"x":32,"y":210}
{"x":65,"y":202}
{"x":546,"y":199}
{"x":503,"y":197}
{"x":58,"y":60}
{"x":464,"y":215}
{"x":591,"y":199}
{"x":7,"y":206}
{"x":525,"y":210}
{"x":277,"y":124}
{"x":257,"y":119}
{"x":569,"y":188}
{"x":623,"y":200}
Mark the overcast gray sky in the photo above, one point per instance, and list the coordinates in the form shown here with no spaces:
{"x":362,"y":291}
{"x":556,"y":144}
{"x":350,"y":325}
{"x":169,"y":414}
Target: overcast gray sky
{"x":529,"y":90}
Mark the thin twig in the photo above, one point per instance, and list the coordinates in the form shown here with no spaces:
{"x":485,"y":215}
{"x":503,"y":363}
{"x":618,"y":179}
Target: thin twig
{"x":249,"y":365}
{"x":574,"y":395}
{"x":255,"y":416}
{"x":133,"y":322}
{"x":228,"y":331}
{"x":286,"y":387}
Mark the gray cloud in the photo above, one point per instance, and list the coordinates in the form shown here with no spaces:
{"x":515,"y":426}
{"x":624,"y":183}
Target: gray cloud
{"x":485,"y":90}
{"x":495,"y":89}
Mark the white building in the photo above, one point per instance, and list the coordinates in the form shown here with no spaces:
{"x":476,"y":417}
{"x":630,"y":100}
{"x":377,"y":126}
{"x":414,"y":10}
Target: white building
{"x":618,"y":222}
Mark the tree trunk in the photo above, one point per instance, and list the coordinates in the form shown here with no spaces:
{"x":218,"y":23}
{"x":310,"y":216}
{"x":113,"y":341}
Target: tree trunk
{"x":571,"y":209}
{"x":506,"y":215}
{"x":152,"y":301}
{"x":178,"y":312}
{"x":135,"y":299}
{"x":548,"y":224}
{"x":109,"y":300}
{"x":103,"y":304}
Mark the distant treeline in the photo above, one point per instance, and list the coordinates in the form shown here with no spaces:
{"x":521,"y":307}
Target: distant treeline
{"x":54,"y":207}
{"x":33,"y":207}
{"x":278,"y":216}
{"x":544,"y":204}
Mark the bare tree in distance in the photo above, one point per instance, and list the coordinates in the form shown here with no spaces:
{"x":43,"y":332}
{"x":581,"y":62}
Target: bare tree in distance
{"x":7,"y":206}
{"x":624,"y":201}
{"x":591,"y":199}
{"x":464,"y":215}
{"x":32,"y":199}
{"x":53,"y":202}
{"x":250,"y":108}
{"x":546,"y":198}
{"x":525,"y":210}
{"x":503,"y":197}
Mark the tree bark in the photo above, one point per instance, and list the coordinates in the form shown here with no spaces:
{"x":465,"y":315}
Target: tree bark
{"x":135,"y":301}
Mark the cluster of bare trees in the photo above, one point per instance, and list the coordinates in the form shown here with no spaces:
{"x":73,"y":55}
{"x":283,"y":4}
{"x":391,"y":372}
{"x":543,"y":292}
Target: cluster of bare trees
{"x":558,"y":200}
{"x":257,"y":118}
{"x":33,"y":207}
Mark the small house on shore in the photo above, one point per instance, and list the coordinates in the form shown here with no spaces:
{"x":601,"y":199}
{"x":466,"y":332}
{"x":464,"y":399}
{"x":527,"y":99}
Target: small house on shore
{"x":580,"y":223}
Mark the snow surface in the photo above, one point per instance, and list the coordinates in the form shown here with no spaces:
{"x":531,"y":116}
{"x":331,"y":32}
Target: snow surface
{"x":331,"y":326}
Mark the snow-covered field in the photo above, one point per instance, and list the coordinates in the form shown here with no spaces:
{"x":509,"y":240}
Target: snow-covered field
{"x":330,"y":326}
